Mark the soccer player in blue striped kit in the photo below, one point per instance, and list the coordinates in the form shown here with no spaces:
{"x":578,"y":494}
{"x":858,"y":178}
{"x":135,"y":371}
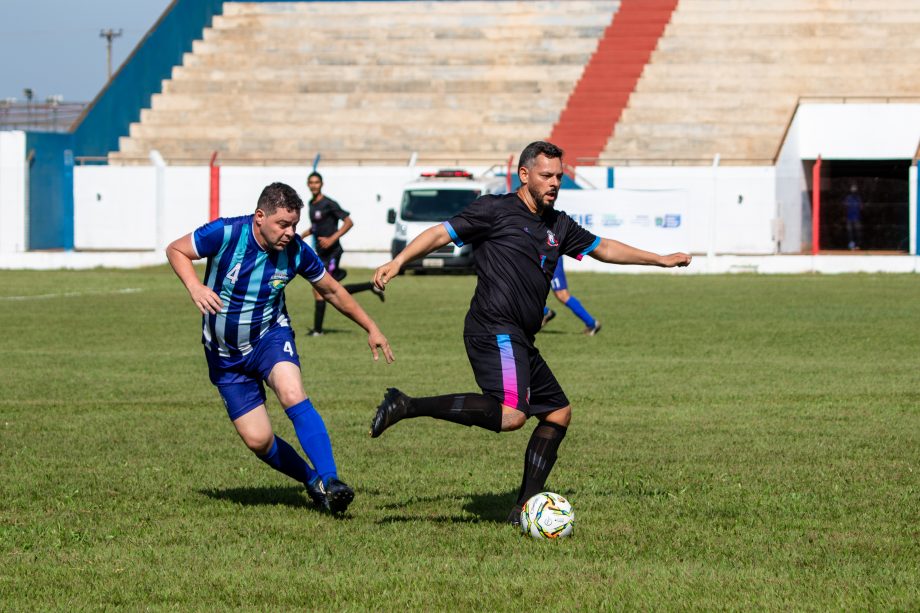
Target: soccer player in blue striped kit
{"x":517,"y":239}
{"x":248,"y":338}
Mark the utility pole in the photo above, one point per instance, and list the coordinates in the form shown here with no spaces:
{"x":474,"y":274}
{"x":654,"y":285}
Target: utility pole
{"x":109,"y":35}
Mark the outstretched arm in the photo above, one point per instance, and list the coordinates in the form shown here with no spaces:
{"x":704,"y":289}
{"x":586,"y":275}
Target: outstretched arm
{"x":424,"y":243}
{"x":181,"y":253}
{"x":336,"y":295}
{"x":615,"y":252}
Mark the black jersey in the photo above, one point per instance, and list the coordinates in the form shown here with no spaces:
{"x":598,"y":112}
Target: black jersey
{"x":516,"y":253}
{"x":325,"y":216}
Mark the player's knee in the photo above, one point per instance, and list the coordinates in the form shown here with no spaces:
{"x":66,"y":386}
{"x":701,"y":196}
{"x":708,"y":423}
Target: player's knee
{"x":260,"y":443}
{"x":512,"y":419}
{"x":562,"y":295}
{"x":561,"y":417}
{"x":289,"y":396}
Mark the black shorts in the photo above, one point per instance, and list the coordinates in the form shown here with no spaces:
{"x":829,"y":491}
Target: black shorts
{"x":331,"y":261}
{"x":513,"y":371}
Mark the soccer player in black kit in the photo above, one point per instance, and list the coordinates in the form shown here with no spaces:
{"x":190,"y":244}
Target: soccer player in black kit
{"x":325,"y":215}
{"x":517,"y":239}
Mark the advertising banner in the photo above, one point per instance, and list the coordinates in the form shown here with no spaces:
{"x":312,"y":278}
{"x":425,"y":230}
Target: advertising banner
{"x":654,"y":220}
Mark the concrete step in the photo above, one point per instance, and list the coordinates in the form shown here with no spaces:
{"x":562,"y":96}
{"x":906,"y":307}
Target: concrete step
{"x":357,"y":75}
{"x":308,"y":129}
{"x":838,"y":57}
{"x":844,"y":31}
{"x":696,"y":113}
{"x":712,"y":130}
{"x":467,"y":7}
{"x":420,"y":19}
{"x":209,"y":50}
{"x":324,"y":102}
{"x":729,"y":71}
{"x":793,"y":5}
{"x":220,"y":115}
{"x":689,"y":148}
{"x":357,"y":147}
{"x":528,"y":33}
{"x":255,"y":86}
{"x":822,"y":16}
{"x":828,"y":85}
{"x":746,"y":41}
{"x":709,"y":100}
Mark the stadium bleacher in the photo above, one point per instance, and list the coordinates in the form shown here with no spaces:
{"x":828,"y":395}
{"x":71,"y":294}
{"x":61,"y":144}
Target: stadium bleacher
{"x":727,"y":74}
{"x":370,"y":81}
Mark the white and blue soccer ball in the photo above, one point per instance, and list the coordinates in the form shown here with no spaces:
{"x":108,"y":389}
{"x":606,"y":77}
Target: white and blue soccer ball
{"x":547,"y":516}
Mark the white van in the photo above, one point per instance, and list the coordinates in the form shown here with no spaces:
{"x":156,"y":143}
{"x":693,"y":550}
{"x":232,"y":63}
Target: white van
{"x":436,"y":197}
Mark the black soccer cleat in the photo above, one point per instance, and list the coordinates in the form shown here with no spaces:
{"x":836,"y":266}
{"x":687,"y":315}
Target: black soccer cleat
{"x":514,"y":517}
{"x":317,"y":492}
{"x":393,"y":408}
{"x":338,"y":496}
{"x":593,"y":330}
{"x":550,"y":315}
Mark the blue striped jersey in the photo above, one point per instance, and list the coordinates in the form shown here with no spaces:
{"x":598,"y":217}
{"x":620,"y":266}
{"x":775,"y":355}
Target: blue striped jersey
{"x":250,"y":282}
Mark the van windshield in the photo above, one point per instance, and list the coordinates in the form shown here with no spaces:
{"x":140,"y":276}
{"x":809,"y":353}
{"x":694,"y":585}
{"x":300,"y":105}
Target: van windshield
{"x":435,"y":204}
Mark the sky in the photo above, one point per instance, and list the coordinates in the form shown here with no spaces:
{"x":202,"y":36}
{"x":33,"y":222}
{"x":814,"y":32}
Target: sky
{"x":54,"y":47}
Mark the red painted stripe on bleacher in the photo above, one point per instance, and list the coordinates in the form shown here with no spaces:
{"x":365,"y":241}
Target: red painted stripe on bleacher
{"x":588,"y":120}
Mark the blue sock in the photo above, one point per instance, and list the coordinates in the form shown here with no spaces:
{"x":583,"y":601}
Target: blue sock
{"x":580,"y":311}
{"x":284,"y":459}
{"x":545,"y":311}
{"x":313,"y":437}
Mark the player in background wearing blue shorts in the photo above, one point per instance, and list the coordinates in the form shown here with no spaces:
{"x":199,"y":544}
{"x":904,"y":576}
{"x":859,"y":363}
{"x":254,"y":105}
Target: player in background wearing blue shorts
{"x":560,"y":288}
{"x":248,"y":338}
{"x":517,"y":239}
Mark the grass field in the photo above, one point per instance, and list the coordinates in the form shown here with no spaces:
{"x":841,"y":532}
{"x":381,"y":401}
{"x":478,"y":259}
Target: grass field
{"x":738,"y":442}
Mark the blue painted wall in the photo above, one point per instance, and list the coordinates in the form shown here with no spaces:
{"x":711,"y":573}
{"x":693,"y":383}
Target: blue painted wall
{"x":50,"y":190}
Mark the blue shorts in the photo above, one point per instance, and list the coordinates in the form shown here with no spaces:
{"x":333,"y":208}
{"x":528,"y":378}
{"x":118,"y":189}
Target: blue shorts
{"x":559,"y":283}
{"x":239,"y":378}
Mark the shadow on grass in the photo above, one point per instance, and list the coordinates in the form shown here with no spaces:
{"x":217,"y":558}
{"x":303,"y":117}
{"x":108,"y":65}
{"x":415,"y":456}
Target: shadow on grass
{"x":253,"y":496}
{"x":488,"y":507}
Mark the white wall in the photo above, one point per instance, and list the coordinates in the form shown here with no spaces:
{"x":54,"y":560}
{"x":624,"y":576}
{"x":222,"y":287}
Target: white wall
{"x":13,"y":192}
{"x":792,"y":197}
{"x":114,"y":207}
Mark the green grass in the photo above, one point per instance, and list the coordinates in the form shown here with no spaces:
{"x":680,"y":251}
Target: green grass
{"x":738,"y":442}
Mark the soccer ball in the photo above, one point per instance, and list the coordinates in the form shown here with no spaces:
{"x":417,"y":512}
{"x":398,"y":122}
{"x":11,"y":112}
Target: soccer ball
{"x":547,"y":516}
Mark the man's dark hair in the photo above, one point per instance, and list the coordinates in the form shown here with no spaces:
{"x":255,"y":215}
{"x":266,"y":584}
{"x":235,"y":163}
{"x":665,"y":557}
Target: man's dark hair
{"x":317,"y":175}
{"x":279,"y":195}
{"x":540,"y":147}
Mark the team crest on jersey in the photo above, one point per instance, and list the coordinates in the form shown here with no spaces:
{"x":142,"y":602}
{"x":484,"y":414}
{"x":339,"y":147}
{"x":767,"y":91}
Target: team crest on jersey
{"x":551,"y":239}
{"x":278,"y":280}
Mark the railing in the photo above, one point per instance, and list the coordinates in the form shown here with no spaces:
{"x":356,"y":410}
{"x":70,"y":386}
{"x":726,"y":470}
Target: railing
{"x":40,"y":116}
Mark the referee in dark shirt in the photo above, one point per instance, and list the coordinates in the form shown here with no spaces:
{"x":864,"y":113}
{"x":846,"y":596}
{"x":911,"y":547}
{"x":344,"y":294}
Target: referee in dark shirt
{"x":517,"y":239}
{"x":325,"y":215}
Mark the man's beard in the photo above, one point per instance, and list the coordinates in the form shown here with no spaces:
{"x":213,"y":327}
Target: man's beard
{"x":538,"y":199}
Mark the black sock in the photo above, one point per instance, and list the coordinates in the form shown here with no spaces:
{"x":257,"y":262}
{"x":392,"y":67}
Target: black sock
{"x":318,"y":314}
{"x":466,"y":409}
{"x":354,"y":288}
{"x":539,"y":458}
